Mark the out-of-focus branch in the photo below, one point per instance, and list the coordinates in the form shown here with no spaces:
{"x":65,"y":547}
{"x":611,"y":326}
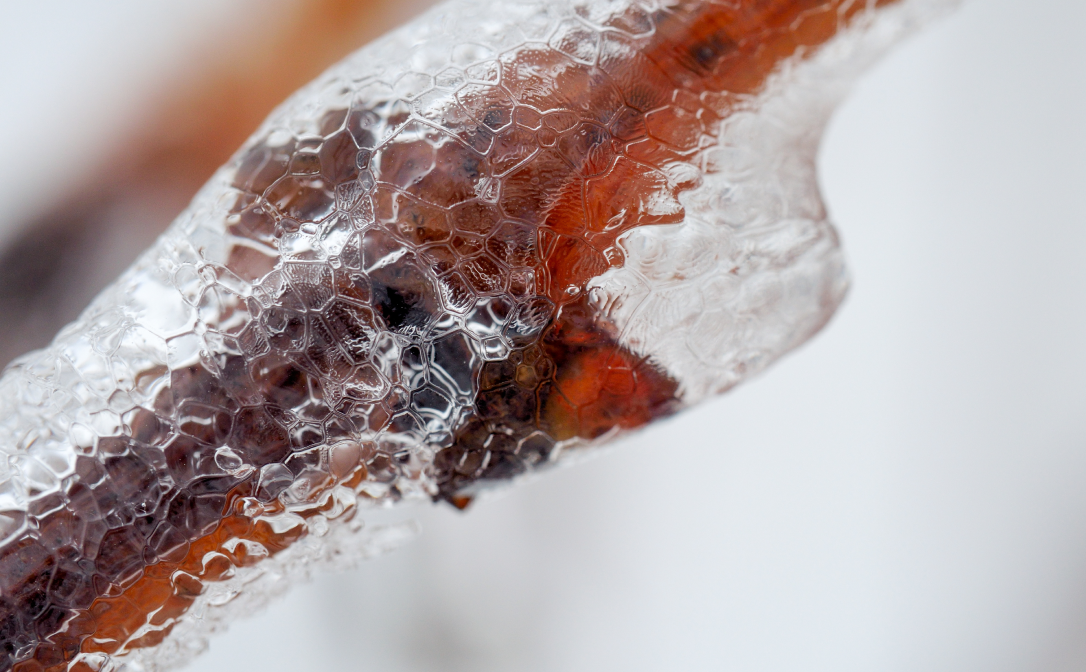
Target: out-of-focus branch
{"x":66,"y":255}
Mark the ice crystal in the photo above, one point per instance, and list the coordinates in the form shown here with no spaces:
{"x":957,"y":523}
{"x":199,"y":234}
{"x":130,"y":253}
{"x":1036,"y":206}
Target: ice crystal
{"x":496,"y":237}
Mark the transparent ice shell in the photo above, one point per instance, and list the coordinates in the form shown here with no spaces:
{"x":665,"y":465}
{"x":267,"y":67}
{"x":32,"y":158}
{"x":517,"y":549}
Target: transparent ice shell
{"x":499,"y":235}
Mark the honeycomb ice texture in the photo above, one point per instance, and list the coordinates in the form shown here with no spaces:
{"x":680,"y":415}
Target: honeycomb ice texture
{"x":492,"y":239}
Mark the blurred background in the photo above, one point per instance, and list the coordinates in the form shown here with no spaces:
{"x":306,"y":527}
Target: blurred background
{"x":905,"y":492}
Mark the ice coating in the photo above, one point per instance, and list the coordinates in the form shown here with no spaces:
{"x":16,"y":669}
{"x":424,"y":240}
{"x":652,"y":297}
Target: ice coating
{"x":496,"y":237}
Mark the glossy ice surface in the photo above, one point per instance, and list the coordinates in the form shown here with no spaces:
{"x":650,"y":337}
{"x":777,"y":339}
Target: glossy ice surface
{"x":496,"y":237}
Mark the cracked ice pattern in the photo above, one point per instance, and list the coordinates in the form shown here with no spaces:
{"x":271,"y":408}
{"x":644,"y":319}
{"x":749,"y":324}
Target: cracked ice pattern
{"x":494,"y":237}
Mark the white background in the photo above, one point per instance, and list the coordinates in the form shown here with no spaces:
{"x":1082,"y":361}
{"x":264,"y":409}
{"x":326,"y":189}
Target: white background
{"x":906,"y":492}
